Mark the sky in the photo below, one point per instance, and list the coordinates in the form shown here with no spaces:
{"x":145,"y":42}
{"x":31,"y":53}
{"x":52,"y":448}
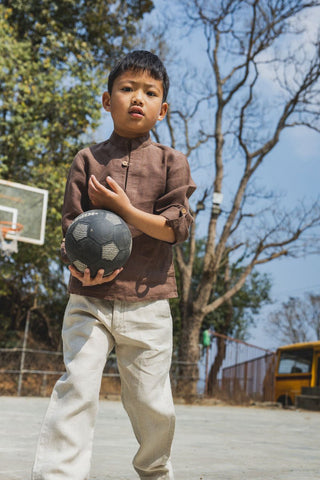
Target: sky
{"x":293,"y":169}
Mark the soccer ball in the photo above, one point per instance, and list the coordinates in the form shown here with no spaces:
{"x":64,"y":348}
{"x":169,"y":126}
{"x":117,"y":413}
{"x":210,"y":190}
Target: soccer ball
{"x":98,"y":239}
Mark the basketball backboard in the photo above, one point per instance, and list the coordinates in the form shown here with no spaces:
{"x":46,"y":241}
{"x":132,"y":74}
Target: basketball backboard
{"x":26,"y":206}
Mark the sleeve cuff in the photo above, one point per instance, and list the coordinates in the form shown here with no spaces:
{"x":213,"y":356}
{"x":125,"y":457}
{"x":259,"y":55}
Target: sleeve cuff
{"x":179,"y":219}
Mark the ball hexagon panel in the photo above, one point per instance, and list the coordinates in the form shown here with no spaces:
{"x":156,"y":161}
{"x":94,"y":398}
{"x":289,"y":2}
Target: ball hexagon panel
{"x":113,"y":218}
{"x":80,"y":231}
{"x":80,"y":266}
{"x":109,"y":251}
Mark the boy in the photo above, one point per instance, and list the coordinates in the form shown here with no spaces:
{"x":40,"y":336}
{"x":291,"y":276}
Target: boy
{"x":148,"y":185}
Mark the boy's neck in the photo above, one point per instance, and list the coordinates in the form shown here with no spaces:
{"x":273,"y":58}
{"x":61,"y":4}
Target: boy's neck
{"x":129,"y":137}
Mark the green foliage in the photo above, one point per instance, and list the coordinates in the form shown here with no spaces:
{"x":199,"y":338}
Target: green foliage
{"x":54,"y":63}
{"x":245,"y":304}
{"x":63,"y":28}
{"x":37,"y":287}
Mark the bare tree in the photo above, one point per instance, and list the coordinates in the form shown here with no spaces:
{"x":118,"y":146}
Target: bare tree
{"x":314,"y":319}
{"x":251,"y":45}
{"x":297,"y":320}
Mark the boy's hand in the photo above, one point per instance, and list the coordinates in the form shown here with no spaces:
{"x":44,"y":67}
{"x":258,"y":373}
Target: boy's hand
{"x":87,"y":281}
{"x":116,"y":200}
{"x":101,"y":197}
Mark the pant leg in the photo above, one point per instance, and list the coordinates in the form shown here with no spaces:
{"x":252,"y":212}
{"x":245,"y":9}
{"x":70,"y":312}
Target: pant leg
{"x":65,"y":442}
{"x":143,"y":334}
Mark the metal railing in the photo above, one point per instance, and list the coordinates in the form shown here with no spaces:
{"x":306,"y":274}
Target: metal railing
{"x":252,"y":379}
{"x":247,"y":372}
{"x":31,"y":372}
{"x":26,"y":371}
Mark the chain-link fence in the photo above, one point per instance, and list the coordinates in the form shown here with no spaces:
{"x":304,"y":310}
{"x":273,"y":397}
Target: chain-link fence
{"x":246,"y":373}
{"x":32,"y":372}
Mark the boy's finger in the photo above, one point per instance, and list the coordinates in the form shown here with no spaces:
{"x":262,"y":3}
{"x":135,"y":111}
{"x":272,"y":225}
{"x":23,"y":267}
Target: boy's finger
{"x":94,"y":183}
{"x":113,"y":184}
{"x":75,"y":272}
{"x":86,"y":272}
{"x":99,"y":278}
{"x":113,"y":275}
{"x":86,"y":275}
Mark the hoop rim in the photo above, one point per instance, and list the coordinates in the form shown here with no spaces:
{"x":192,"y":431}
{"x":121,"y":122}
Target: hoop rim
{"x":10,"y":227}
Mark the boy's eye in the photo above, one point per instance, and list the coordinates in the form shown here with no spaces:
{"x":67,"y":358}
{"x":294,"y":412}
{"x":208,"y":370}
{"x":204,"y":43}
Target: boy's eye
{"x":126,"y":89}
{"x":151,"y":94}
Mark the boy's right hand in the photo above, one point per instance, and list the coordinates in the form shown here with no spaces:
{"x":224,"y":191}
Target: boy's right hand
{"x":88,"y":281}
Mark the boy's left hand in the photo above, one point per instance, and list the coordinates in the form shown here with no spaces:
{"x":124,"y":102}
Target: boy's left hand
{"x":115,"y":200}
{"x":88,"y":281}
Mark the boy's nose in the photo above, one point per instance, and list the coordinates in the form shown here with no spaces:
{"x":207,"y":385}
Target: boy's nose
{"x":136,"y":98}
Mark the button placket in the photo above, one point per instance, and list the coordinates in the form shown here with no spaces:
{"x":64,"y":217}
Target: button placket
{"x":126,"y":164}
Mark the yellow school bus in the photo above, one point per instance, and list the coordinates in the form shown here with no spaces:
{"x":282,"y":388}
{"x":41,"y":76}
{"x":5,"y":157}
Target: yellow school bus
{"x":297,"y":366}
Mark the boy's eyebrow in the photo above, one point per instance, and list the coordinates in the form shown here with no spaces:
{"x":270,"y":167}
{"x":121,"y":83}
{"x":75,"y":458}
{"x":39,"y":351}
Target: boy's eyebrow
{"x":134,"y":82}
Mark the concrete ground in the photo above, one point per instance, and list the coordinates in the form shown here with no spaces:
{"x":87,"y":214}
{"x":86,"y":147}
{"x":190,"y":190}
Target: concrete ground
{"x":211,"y":442}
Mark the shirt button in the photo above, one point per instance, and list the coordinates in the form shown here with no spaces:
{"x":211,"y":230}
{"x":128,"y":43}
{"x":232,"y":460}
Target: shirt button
{"x":125,"y":163}
{"x":183,"y":210}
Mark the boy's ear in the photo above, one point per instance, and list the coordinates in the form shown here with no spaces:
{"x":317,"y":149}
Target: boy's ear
{"x":163,"y":111}
{"x":106,"y":101}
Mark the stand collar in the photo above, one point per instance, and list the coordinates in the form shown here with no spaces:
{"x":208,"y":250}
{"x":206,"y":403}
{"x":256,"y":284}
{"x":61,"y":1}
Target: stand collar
{"x":135,"y":143}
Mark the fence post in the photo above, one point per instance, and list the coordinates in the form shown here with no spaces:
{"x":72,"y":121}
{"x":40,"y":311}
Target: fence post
{"x":23,"y":352}
{"x":207,"y":370}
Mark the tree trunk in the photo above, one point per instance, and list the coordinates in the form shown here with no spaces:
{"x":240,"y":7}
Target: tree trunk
{"x":214,"y":370}
{"x":189,"y":352}
{"x":221,"y":342}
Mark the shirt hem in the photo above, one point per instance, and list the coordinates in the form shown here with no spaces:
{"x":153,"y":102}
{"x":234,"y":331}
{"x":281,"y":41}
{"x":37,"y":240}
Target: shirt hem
{"x":125,"y":298}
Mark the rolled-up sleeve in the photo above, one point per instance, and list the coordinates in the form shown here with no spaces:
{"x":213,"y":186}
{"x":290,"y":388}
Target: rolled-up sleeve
{"x":174,"y":204}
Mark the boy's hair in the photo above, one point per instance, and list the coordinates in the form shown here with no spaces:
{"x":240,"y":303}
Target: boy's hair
{"x":141,"y":60}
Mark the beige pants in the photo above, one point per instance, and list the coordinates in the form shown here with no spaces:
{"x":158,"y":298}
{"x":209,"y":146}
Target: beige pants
{"x":142,"y":335}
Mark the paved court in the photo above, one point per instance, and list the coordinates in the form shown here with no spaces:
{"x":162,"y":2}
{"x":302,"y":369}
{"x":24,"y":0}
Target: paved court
{"x":211,"y":442}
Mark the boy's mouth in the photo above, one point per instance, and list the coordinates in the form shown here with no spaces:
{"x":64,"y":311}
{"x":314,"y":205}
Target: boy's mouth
{"x":136,"y":112}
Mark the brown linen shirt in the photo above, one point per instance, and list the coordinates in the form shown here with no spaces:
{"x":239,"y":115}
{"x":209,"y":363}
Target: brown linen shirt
{"x":157,"y":180}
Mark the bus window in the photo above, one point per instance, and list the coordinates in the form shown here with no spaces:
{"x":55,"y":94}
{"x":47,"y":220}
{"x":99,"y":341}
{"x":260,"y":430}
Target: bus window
{"x":295,"y":361}
{"x":298,"y":366}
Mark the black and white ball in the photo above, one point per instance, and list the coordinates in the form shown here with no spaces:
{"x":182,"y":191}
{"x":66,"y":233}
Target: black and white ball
{"x":98,"y":239}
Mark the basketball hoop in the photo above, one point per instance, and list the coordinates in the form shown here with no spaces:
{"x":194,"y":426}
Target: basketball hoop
{"x":9,"y":235}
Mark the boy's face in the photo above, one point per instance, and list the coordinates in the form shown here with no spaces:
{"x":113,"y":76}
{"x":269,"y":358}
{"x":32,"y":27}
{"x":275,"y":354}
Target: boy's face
{"x":135,"y":103}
